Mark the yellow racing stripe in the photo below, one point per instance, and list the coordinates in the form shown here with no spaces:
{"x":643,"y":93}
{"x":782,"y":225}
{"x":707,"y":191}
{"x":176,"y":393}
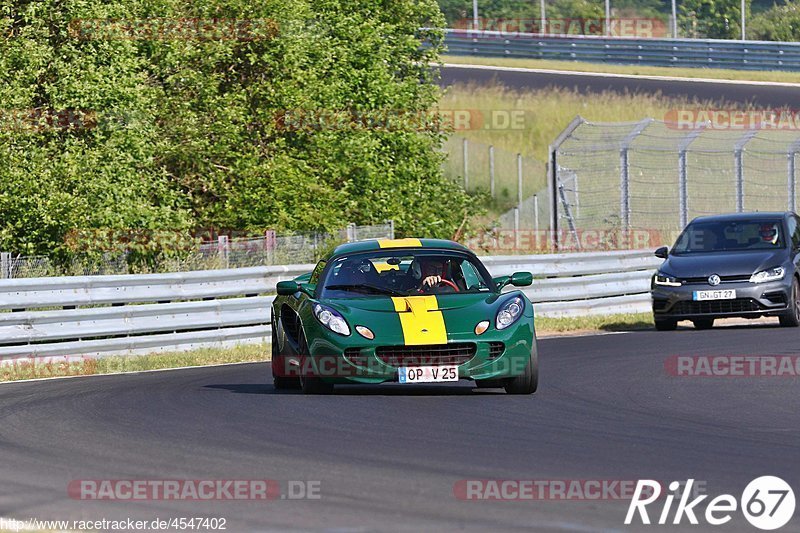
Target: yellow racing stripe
{"x":421,"y":320}
{"x":399,"y":243}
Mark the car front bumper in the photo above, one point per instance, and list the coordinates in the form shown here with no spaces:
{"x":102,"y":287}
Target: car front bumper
{"x":752,"y":300}
{"x":336,"y":359}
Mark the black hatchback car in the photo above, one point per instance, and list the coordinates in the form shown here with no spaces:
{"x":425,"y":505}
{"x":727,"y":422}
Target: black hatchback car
{"x":736,"y":265}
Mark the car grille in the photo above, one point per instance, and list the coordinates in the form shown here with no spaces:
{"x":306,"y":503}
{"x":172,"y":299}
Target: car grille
{"x":711,"y":307}
{"x":355,"y":357}
{"x":456,"y":353}
{"x":496,"y":349}
{"x":722,"y":279}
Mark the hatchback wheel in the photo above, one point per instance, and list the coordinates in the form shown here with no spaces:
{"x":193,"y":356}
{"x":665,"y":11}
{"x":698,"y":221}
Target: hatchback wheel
{"x":792,"y":317}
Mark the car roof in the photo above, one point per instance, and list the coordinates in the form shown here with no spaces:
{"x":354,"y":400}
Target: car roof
{"x":410,"y":243}
{"x":742,"y":216}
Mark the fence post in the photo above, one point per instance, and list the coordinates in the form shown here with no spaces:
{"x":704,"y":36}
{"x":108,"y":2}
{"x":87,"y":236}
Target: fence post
{"x":491,"y":170}
{"x":683,"y":190}
{"x":624,"y":175}
{"x":791,"y":176}
{"x":519,"y":181}
{"x":624,"y":193}
{"x":391,"y":228}
{"x":536,"y":221}
{"x":5,"y":265}
{"x":465,"y":151}
{"x":738,"y":162}
{"x":516,"y":229}
{"x":223,"y":246}
{"x":552,"y":176}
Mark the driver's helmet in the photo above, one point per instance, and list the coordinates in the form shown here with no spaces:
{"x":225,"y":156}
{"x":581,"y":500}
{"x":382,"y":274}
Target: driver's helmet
{"x":768,"y":233}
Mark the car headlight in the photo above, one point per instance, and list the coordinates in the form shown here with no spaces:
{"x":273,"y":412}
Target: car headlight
{"x":331,"y":319}
{"x":771,"y":274}
{"x":666,"y":280}
{"x":509,"y":312}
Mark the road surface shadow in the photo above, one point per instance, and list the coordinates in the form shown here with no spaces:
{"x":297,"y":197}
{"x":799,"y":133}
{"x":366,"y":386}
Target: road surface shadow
{"x":386,"y":389}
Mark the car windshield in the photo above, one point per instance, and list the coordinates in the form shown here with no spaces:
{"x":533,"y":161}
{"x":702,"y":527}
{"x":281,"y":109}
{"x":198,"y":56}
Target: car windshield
{"x":722,"y":236}
{"x":405,"y":273}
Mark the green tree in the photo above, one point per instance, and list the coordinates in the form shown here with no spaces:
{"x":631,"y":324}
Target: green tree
{"x":184,"y":133}
{"x":779,"y":23}
{"x":712,"y":19}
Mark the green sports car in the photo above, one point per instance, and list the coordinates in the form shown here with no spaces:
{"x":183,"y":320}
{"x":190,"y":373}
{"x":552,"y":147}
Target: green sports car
{"x":403,"y":310}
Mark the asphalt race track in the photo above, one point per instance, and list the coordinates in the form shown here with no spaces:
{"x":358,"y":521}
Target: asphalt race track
{"x":759,"y":95}
{"x":387,"y":457}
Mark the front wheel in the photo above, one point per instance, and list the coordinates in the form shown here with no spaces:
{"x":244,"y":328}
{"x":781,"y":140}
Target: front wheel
{"x":792,"y":317}
{"x":279,"y":378}
{"x":666,"y":324}
{"x":310,"y":384}
{"x":528,"y":381}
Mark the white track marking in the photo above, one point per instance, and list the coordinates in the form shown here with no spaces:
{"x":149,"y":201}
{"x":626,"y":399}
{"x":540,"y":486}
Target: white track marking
{"x":625,"y":76}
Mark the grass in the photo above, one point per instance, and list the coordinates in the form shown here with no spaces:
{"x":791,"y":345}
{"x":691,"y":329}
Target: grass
{"x":710,"y":73}
{"x":56,"y":367}
{"x":546,"y":112}
{"x":621,"y":322}
{"x":61,"y":367}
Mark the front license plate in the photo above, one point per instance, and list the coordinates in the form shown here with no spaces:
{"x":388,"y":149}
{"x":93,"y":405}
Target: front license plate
{"x":727,"y":294}
{"x":427,"y":374}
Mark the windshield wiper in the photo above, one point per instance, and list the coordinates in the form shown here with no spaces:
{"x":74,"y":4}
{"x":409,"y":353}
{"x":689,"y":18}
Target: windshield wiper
{"x":380,"y":290}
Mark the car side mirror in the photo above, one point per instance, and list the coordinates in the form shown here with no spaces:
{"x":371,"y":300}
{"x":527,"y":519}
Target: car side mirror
{"x":501,"y":281}
{"x":287,"y":288}
{"x":521,"y":279}
{"x":662,"y":252}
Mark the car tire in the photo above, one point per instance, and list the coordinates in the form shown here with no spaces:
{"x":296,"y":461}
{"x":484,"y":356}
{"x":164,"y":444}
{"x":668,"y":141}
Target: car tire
{"x":280,"y":382}
{"x":703,"y":323}
{"x":528,"y":381}
{"x":792,"y":317}
{"x":310,"y":384}
{"x":666,"y":324}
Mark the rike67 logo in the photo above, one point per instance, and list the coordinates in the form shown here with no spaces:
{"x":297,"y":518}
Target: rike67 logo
{"x":767,"y":503}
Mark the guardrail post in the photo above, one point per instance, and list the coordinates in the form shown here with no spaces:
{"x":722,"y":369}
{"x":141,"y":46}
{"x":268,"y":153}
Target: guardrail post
{"x":738,"y":163}
{"x":5,"y":265}
{"x":491,"y":170}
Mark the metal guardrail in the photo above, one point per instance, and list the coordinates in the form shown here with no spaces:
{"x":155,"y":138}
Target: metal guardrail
{"x":104,"y":315}
{"x":714,"y":53}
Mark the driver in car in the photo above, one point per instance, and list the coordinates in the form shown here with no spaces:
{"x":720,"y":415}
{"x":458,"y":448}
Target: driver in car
{"x":430,"y":271}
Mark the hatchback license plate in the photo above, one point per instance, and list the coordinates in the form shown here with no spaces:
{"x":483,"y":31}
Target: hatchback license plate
{"x":725,"y":294}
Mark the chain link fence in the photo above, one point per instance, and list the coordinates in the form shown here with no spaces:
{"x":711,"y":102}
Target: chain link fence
{"x":508,"y":177}
{"x":653,"y":177}
{"x":224,"y":252}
